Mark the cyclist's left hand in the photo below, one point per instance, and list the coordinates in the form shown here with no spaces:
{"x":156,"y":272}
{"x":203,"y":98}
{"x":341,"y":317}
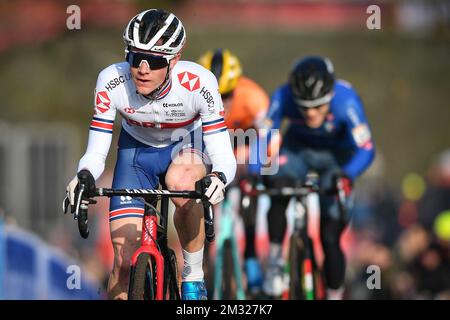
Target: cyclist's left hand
{"x":83,"y":177}
{"x":212,"y":186}
{"x":344,"y":185}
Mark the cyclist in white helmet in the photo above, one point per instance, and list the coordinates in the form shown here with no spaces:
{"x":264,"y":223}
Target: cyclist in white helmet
{"x":172,"y":133}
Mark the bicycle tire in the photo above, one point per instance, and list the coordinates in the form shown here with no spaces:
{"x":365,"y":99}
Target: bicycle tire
{"x":295,"y":268}
{"x":227,"y":272}
{"x":142,"y":281}
{"x":319,"y":282}
{"x":309,"y":271}
{"x":171,"y":286}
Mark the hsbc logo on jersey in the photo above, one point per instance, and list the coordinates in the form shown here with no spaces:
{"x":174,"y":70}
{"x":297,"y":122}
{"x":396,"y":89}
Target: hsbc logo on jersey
{"x":102,"y":101}
{"x":129,"y":110}
{"x":189,"y":80}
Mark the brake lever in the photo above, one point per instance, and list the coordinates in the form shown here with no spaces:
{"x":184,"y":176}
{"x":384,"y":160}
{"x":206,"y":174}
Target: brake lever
{"x":341,"y":194}
{"x":78,"y":204}
{"x":66,"y":204}
{"x":209,"y":221}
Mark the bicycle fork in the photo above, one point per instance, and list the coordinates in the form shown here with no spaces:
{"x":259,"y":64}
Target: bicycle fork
{"x":149,"y":245}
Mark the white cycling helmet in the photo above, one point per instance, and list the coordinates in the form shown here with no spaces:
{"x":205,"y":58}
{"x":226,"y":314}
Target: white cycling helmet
{"x":155,"y":30}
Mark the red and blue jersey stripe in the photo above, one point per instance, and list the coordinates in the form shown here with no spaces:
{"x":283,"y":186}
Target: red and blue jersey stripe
{"x":102,"y":125}
{"x":126,"y":213}
{"x":165,"y":91}
{"x":214,"y":126}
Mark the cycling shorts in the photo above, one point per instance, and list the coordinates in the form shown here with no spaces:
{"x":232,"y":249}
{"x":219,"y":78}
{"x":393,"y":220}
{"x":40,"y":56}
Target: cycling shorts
{"x":140,"y":166}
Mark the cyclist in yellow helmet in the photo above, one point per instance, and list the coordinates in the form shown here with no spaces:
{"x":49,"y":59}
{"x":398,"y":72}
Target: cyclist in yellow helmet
{"x":245,"y":102}
{"x":245,"y":106}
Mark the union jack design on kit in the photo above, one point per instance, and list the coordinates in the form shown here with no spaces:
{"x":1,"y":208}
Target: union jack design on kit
{"x":102,"y":125}
{"x":215,"y":126}
{"x":165,"y":91}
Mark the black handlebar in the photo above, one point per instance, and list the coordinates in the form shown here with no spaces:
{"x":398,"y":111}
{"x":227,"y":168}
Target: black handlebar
{"x":287,"y":191}
{"x":207,"y":208}
{"x":311,"y":185}
{"x":82,"y":205}
{"x":106,"y":192}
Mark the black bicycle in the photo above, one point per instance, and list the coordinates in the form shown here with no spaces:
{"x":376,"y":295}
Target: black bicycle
{"x":305,"y":277}
{"x":154,"y":268}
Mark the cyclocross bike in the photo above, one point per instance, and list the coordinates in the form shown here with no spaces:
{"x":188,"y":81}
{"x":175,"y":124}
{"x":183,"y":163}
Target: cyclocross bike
{"x":305,"y":277}
{"x":154,"y":268}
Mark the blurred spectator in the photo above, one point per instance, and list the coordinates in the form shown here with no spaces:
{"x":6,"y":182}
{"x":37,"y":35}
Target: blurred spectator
{"x":408,"y":241}
{"x":376,"y":205}
{"x":437,"y":196}
{"x":431,"y":270}
{"x":368,"y":253}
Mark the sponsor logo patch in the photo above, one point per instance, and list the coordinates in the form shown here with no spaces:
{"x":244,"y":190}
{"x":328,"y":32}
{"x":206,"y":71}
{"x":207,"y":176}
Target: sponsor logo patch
{"x":117,"y":81}
{"x":129,"y":110}
{"x":189,"y":80}
{"x":102,"y":101}
{"x":208,"y":98}
{"x":361,"y":135}
{"x":125,"y":199}
{"x":166,"y":105}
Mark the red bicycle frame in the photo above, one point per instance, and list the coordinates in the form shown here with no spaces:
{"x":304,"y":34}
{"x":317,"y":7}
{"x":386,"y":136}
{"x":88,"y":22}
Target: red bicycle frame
{"x":148,"y":245}
{"x":149,"y":234}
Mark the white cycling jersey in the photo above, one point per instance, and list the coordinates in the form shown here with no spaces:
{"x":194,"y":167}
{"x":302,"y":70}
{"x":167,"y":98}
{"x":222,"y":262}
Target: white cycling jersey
{"x":189,"y":103}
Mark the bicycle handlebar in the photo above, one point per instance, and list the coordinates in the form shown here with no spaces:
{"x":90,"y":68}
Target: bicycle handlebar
{"x":106,"y":192}
{"x":207,"y":208}
{"x":288,"y":191}
{"x":299,"y":191}
{"x":82,"y":206}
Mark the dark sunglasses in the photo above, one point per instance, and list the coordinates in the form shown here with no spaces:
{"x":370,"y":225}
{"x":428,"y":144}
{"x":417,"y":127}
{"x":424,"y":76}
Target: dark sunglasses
{"x":304,"y":109}
{"x":154,"y":62}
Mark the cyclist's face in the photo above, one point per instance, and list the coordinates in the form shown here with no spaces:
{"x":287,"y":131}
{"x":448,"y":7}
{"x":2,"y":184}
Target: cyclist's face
{"x":314,"y":117}
{"x":147,"y":79}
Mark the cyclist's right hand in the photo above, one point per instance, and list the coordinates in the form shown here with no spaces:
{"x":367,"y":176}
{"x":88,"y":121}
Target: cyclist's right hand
{"x":84,"y":177}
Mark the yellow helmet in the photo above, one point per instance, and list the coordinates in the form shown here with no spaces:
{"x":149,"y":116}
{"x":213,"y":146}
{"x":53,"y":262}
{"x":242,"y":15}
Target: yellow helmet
{"x":225,"y":66}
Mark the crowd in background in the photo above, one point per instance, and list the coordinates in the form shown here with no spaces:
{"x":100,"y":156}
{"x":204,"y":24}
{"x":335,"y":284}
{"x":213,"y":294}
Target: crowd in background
{"x":406,"y":234}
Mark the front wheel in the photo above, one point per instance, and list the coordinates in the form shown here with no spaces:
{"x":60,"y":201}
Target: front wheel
{"x":304,"y":274}
{"x":295,"y":268}
{"x":142,"y":281}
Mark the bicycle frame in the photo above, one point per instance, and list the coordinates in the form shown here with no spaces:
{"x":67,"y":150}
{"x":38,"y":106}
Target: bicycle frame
{"x":301,"y":229}
{"x":150,"y":243}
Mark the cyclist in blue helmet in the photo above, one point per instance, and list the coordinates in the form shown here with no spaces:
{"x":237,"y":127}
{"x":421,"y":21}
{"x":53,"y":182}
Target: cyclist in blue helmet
{"x":327,"y":132}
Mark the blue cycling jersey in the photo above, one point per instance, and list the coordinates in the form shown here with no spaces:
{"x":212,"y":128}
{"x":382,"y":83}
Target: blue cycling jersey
{"x":344,"y":129}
